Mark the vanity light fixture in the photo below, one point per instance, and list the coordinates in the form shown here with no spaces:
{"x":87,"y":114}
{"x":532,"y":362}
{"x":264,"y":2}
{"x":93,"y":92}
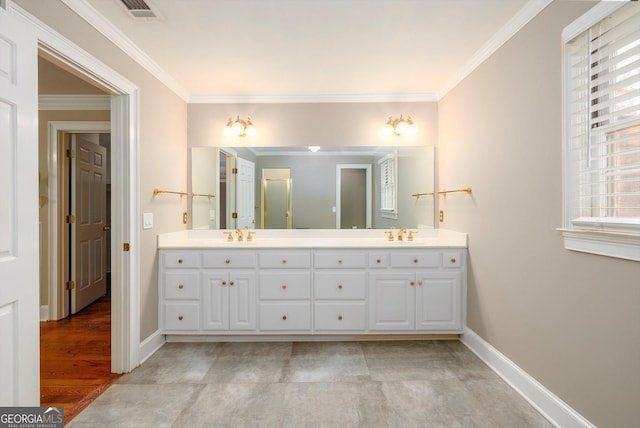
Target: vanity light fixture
{"x":314,"y":148}
{"x":400,"y":126}
{"x":239,"y":127}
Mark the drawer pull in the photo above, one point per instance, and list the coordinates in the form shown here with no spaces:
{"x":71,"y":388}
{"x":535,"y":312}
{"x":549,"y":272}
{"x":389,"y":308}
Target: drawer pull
{"x":412,"y":283}
{"x":224,"y":282}
{"x":180,"y":317}
{"x":227,"y":261}
{"x":180,"y":261}
{"x":453,"y":260}
{"x":284,"y":317}
{"x":284,"y":287}
{"x":419,"y":282}
{"x":340,"y":287}
{"x":378,"y":261}
{"x":339,"y":317}
{"x":415,"y":260}
{"x":340,"y":261}
{"x":231,"y":283}
{"x":180,"y":286}
{"x":284,"y":261}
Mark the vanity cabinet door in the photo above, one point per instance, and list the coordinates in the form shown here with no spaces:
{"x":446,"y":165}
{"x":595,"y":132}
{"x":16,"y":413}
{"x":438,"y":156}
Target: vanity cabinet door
{"x":392,"y":301}
{"x":229,"y":300}
{"x":215,"y":301}
{"x":439,"y":301}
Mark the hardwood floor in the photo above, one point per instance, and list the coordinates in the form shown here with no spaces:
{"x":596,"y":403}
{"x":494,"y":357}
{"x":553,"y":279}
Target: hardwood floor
{"x":75,"y":358}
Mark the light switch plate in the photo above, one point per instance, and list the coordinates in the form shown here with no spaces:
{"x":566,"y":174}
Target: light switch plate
{"x":147,"y":220}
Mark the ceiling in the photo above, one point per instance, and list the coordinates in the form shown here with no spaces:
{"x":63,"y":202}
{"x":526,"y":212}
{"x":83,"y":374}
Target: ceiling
{"x":322,"y":48}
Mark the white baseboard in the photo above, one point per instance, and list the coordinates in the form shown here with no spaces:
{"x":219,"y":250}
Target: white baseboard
{"x":553,"y":408}
{"x":44,"y":312}
{"x":150,"y":345}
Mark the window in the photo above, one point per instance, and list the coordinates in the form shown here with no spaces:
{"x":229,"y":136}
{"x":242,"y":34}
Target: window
{"x":602,"y":131}
{"x":389,"y":186}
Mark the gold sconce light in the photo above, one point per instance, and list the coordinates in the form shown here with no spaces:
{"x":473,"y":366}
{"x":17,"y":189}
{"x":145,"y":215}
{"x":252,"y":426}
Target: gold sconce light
{"x":400,"y":126}
{"x":239,"y":127}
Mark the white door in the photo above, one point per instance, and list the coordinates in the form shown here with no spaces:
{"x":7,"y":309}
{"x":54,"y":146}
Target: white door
{"x":392,"y":301}
{"x":19,"y":289}
{"x":246,"y":194}
{"x":242,"y":297}
{"x":215,"y":300}
{"x":89,"y":175}
{"x":439,"y":297}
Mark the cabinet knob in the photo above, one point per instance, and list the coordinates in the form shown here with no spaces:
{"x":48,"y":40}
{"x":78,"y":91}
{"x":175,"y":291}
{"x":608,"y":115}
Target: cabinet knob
{"x":180,"y":286}
{"x":453,"y":260}
{"x":340,"y":261}
{"x":340,"y":287}
{"x":227,"y":261}
{"x":180,"y":317}
{"x":180,"y":261}
{"x":231,"y":283}
{"x":339,"y":317}
{"x":224,"y":282}
{"x":378,"y":261}
{"x":284,"y":287}
{"x":284,"y":317}
{"x":412,"y":283}
{"x":419,"y":282}
{"x":284,"y":261}
{"x":415,"y":260}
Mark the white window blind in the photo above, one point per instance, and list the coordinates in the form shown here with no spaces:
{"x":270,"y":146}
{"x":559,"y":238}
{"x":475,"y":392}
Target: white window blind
{"x":603,"y":127}
{"x":388,"y":185}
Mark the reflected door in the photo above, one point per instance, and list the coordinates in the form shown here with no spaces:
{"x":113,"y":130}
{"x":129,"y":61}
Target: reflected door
{"x":353,"y":198}
{"x":276,"y":198}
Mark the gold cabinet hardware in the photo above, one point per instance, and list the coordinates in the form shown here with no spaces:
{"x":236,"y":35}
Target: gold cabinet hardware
{"x":453,"y":260}
{"x":180,"y":317}
{"x":378,"y":261}
{"x":229,"y":236}
{"x":227,"y":261}
{"x":412,"y":283}
{"x":179,"y":261}
{"x":284,"y":261}
{"x":180,"y":286}
{"x":284,"y":287}
{"x":339,"y":286}
{"x":340,"y":261}
{"x":224,"y":282}
{"x":284,"y":317}
{"x":419,"y":282}
{"x":415,"y":260}
{"x":231,"y":283}
{"x":339,"y":317}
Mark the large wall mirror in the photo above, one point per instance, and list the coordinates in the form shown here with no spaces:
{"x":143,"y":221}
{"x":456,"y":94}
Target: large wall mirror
{"x":293,"y":187}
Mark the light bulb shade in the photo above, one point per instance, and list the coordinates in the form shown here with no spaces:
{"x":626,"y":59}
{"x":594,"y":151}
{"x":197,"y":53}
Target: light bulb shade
{"x":239,"y":127}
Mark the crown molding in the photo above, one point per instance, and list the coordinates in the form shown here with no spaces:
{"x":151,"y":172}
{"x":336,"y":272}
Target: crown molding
{"x":515,"y":24}
{"x":316,"y":98}
{"x":74,"y":102}
{"x":111,"y":32}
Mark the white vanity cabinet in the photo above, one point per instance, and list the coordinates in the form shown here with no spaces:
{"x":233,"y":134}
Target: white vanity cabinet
{"x":312,"y":288}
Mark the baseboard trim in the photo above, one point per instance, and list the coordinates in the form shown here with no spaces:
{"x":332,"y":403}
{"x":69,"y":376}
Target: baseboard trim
{"x":150,"y":345}
{"x":44,"y":312}
{"x":553,"y":408}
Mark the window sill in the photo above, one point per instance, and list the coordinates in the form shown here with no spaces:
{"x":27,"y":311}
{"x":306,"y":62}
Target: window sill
{"x":620,"y":245}
{"x":389,"y":214}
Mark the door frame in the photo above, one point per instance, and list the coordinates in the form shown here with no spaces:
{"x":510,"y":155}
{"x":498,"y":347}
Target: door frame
{"x":125,"y":176}
{"x":367,"y":168}
{"x":56,"y":279}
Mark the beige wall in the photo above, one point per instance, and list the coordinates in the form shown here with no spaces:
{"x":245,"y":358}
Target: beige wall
{"x":570,"y":320}
{"x":162,"y":150}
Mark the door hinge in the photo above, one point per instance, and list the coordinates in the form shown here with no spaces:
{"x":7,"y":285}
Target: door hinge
{"x":71,"y":285}
{"x":234,"y":171}
{"x":234,"y":215}
{"x":125,"y":246}
{"x":71,"y":153}
{"x":70,"y":219}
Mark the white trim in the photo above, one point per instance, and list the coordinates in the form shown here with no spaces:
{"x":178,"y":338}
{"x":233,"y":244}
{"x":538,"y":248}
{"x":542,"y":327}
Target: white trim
{"x":44,"y":313}
{"x":125,"y":179}
{"x":74,"y":102}
{"x":620,"y":245}
{"x":52,"y":155}
{"x":367,"y":168}
{"x":547,"y":403}
{"x":119,"y":39}
{"x":515,"y":24}
{"x":594,"y":15}
{"x":150,"y":345}
{"x":315,"y":98}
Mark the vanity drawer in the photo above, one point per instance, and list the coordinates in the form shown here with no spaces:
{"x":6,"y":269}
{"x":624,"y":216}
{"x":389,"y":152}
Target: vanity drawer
{"x":282,"y":285}
{"x":285,"y":316}
{"x":339,"y":285}
{"x":339,"y":259}
{"x":182,"y":285}
{"x":452,"y":258}
{"x":415,"y":259}
{"x":291,"y":259}
{"x":339,"y":316}
{"x":378,"y":259}
{"x":181,"y":260}
{"x":226,"y":260}
{"x":181,"y":316}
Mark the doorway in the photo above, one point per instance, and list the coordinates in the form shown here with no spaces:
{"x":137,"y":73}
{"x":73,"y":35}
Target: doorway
{"x":276,"y":198}
{"x":353,"y":196}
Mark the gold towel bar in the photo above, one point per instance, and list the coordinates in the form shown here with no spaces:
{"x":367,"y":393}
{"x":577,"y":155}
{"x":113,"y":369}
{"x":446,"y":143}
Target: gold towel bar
{"x":157,"y":191}
{"x":444,"y":192}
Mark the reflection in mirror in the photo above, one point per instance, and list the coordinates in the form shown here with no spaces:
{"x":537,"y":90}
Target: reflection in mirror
{"x":276,"y":198}
{"x":315,"y":196}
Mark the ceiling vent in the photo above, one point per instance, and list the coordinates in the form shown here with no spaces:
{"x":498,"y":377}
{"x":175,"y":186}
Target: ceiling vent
{"x":141,"y":9}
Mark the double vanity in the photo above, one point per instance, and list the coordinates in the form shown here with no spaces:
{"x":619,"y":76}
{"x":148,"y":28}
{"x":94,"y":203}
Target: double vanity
{"x":311,"y":283}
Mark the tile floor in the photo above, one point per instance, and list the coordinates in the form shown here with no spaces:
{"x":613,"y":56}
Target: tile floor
{"x":311,"y":384}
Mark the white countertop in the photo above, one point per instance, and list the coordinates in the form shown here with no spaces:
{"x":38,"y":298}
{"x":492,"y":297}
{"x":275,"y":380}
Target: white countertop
{"x":312,"y":238}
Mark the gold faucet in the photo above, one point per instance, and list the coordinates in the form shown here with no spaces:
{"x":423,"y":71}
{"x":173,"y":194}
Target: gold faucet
{"x":401,"y":233}
{"x":229,"y":236}
{"x":250,"y":236}
{"x":411,"y":233}
{"x":389,"y":235}
{"x":240,"y":235}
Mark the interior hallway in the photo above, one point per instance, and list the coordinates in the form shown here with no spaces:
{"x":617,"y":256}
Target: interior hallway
{"x":311,"y":384}
{"x":75,"y":358}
